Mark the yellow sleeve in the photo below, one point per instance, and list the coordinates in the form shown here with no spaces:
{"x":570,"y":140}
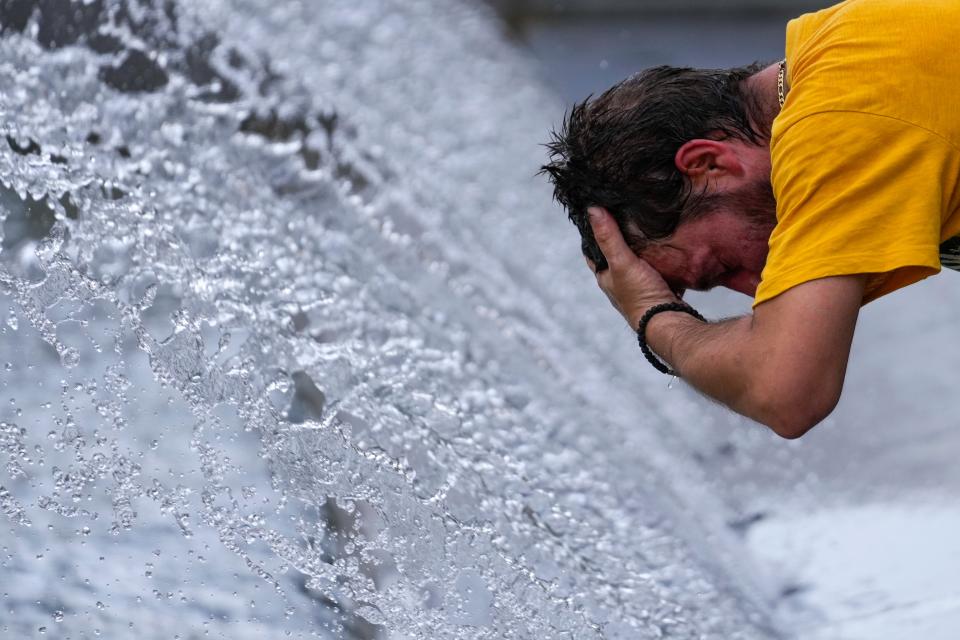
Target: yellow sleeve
{"x":856,"y":194}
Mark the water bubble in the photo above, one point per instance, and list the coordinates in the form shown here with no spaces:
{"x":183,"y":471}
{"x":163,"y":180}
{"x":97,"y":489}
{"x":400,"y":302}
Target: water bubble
{"x":70,"y":357}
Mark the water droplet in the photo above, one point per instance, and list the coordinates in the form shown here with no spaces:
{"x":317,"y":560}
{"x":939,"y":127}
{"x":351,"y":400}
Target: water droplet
{"x":149,"y":296}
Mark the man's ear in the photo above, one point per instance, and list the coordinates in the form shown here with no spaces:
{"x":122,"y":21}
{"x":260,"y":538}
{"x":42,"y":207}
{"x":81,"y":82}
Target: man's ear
{"x":702,"y":158}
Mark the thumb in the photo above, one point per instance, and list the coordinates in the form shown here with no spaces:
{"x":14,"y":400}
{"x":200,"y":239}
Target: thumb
{"x":608,"y":236}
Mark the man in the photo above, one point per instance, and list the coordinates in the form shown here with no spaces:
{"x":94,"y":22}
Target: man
{"x":815,"y":185}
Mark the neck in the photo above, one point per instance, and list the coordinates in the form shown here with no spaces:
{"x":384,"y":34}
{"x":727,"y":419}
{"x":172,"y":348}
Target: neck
{"x":762,"y":86}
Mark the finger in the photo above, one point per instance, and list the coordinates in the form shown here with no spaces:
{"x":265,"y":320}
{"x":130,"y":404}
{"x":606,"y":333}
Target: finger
{"x":608,"y":237}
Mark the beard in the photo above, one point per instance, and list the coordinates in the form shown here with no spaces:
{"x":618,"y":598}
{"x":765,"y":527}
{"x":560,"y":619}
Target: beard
{"x":755,"y":201}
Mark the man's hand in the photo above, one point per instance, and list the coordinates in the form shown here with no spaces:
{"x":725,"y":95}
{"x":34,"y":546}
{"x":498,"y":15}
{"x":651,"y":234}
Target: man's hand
{"x":631,"y":285}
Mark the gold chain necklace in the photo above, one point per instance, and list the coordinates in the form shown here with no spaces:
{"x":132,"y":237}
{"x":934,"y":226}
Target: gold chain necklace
{"x":780,"y":76}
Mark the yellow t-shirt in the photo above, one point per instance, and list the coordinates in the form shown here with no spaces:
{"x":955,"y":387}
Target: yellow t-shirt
{"x":866,"y":151}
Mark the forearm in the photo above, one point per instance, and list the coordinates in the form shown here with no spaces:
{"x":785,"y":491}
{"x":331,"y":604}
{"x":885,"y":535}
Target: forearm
{"x":712,"y":357}
{"x":737,"y":364}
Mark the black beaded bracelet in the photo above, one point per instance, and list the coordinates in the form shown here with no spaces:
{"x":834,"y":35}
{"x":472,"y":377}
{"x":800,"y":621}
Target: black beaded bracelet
{"x":642,"y":331}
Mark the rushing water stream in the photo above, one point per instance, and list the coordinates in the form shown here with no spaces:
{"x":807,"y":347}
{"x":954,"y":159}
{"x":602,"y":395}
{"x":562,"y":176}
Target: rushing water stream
{"x":292,"y":344}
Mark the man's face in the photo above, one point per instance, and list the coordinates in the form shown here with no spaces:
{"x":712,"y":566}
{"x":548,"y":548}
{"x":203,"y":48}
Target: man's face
{"x":725,"y":247}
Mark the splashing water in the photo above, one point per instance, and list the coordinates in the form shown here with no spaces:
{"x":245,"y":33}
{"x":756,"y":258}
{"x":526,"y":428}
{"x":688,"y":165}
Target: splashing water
{"x":288,"y":344}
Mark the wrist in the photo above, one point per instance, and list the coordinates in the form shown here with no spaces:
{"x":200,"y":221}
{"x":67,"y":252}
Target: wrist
{"x":673,"y":308}
{"x":637,"y":314}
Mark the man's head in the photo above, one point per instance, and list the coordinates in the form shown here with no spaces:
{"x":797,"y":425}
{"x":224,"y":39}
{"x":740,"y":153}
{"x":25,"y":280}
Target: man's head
{"x":662,"y":150}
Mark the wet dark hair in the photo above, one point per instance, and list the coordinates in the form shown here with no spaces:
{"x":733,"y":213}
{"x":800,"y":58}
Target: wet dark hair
{"x":618,"y":150}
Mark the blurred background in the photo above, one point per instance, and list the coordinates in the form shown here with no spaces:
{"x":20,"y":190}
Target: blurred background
{"x":584,"y":47}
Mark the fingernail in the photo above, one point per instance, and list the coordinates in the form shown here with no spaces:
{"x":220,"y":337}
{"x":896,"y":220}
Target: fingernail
{"x":593,"y":213}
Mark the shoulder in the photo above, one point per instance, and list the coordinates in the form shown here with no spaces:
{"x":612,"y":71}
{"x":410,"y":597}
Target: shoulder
{"x":892,"y":58}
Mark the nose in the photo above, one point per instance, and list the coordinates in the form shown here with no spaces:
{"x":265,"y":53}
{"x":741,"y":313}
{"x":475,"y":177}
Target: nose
{"x":679,"y":285}
{"x":743,"y":281}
